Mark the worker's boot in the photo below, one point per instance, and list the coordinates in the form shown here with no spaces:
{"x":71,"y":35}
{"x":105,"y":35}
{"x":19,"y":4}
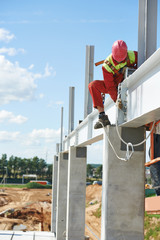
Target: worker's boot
{"x":102,"y":122}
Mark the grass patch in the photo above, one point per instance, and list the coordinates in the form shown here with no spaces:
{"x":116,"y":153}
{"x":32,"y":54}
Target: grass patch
{"x":97,"y":213}
{"x":12,"y":185}
{"x":28,"y":185}
{"x":152,"y":226}
{"x":33,"y":185}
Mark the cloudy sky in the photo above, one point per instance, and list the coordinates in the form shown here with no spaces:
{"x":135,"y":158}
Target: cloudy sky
{"x":42,"y":54}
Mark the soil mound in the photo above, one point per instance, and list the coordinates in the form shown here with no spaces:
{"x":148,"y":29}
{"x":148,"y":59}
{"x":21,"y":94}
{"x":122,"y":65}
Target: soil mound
{"x":94,"y":193}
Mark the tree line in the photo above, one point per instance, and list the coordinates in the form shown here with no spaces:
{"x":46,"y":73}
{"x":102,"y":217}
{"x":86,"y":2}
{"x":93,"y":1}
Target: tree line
{"x":15,"y":167}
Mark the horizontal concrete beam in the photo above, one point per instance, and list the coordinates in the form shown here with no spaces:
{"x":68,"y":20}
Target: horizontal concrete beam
{"x":143,"y":105}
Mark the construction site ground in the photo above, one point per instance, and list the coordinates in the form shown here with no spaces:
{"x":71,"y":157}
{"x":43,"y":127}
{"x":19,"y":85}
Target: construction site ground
{"x":30,"y":209}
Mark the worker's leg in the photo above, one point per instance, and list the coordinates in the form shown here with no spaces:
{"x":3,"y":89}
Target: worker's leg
{"x":155,"y":176}
{"x":96,"y":88}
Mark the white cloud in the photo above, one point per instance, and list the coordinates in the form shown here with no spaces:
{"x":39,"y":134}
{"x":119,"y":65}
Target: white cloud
{"x":41,"y":95}
{"x":8,"y":136}
{"x":31,"y":66}
{"x":5,"y":35}
{"x":16,"y":83}
{"x":10,"y":117}
{"x":53,"y":104}
{"x":49,"y":71}
{"x":47,"y":135}
{"x":11,"y":51}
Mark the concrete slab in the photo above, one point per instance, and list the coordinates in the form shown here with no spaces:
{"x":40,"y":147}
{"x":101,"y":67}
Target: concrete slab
{"x":44,"y":236}
{"x":18,"y":235}
{"x":6,"y":235}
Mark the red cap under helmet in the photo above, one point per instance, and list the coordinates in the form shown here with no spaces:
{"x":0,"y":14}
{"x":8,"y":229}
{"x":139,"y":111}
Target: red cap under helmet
{"x":119,"y":50}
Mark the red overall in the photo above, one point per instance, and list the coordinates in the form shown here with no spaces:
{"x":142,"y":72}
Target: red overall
{"x":108,"y":85}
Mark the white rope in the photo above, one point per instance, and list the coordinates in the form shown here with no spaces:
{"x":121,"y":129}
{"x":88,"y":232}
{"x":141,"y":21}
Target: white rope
{"x":129,"y":144}
{"x":129,"y":155}
{"x":134,"y":145}
{"x":120,"y":158}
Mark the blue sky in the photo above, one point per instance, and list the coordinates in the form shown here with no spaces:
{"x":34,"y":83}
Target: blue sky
{"x":42,"y":54}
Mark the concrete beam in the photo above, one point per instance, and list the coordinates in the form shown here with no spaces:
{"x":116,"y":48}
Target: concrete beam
{"x":122,"y":191}
{"x":76,"y":194}
{"x":62,"y":196}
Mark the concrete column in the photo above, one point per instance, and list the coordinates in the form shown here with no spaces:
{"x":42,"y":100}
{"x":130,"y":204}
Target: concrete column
{"x":61,"y":141}
{"x":76,"y":194}
{"x":123,"y":189}
{"x":62,"y":196}
{"x":89,"y":72}
{"x":54,"y":194}
{"x":71,"y":109}
{"x":147,"y":29}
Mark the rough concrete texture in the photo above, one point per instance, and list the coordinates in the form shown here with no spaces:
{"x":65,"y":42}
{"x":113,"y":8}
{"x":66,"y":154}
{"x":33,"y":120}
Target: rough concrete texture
{"x":122,"y":192}
{"x":76,"y":194}
{"x":54,"y":194}
{"x":61,"y":197}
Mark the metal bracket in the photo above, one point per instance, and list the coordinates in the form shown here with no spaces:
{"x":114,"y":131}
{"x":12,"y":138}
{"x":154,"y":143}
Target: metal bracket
{"x":122,"y":114}
{"x":122,"y":93}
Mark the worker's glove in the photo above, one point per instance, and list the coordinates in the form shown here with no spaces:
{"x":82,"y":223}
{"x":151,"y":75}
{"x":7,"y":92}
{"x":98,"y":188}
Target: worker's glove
{"x":119,"y":103}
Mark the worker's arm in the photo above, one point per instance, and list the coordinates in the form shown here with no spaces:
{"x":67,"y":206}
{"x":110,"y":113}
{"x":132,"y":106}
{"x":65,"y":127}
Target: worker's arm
{"x":134,"y":64}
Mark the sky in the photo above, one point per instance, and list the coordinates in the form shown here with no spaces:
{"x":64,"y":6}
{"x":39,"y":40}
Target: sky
{"x":42,"y":54}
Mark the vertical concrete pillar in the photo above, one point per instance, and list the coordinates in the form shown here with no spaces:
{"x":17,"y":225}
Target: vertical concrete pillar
{"x":76,"y":194}
{"x":61,"y":196}
{"x":71,"y":109}
{"x":123,"y":189}
{"x":147,"y":29}
{"x":89,"y":72}
{"x":54,"y":194}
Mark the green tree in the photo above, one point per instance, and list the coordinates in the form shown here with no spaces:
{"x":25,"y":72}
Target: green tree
{"x":3,"y":164}
{"x":42,"y":167}
{"x":89,"y":170}
{"x":49,"y":171}
{"x":99,"y":171}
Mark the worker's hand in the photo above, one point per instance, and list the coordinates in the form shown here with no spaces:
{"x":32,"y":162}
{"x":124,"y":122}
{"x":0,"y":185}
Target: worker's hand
{"x":119,"y":104}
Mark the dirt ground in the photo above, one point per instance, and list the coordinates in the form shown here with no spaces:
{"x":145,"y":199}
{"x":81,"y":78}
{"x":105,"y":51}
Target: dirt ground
{"x":93,"y":202}
{"x":27,"y":209}
{"x":30,"y":209}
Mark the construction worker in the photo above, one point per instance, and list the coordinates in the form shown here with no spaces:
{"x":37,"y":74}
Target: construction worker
{"x":155,"y":167}
{"x":113,"y":73}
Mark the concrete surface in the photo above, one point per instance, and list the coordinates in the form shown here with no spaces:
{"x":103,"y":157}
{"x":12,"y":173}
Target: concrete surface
{"x":76,"y":194}
{"x":122,"y":192}
{"x":54,"y":194}
{"x":61,"y":196}
{"x":11,"y":235}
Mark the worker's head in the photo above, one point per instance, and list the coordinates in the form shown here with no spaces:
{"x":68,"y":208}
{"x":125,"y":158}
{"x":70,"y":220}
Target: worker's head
{"x":119,"y":50}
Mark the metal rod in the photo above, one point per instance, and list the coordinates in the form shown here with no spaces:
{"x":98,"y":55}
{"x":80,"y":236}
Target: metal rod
{"x":61,"y":140}
{"x":71,"y":110}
